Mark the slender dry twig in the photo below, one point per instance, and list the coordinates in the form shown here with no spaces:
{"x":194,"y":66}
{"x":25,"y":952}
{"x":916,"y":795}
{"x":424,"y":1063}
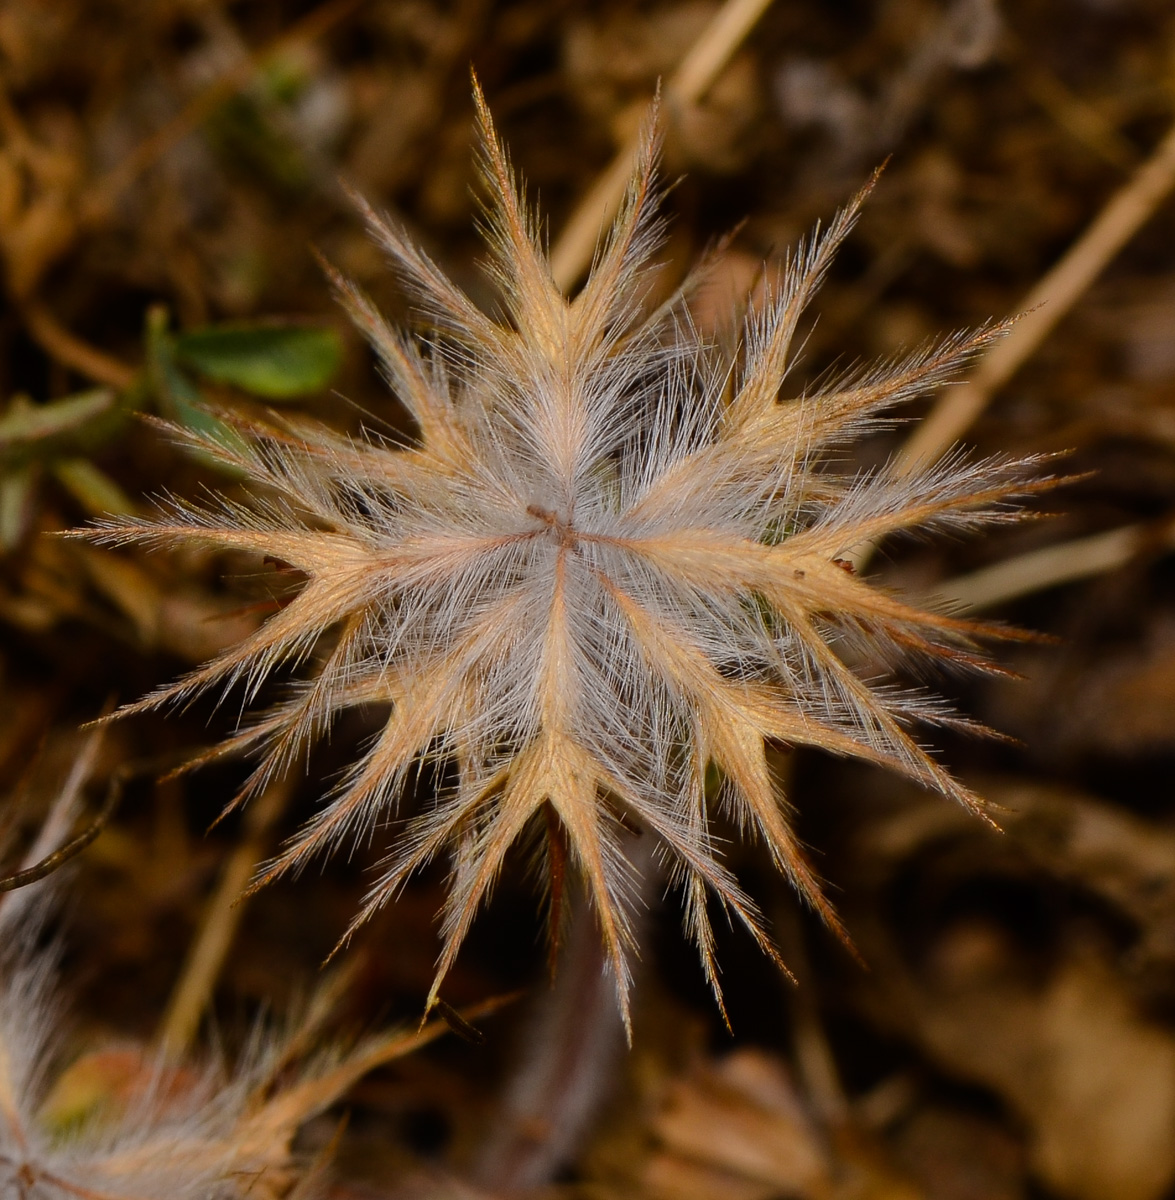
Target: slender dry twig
{"x":41,"y":861}
{"x":71,"y":351}
{"x":1042,"y":308}
{"x":813,"y":1054}
{"x":703,"y":63}
{"x":52,"y":862}
{"x":1076,"y":116}
{"x":566,"y":1065}
{"x":1051,"y":566}
{"x":1045,"y":305}
{"x":222,"y":916}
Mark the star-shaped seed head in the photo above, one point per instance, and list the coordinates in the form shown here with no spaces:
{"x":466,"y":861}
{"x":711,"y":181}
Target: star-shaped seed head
{"x":608,"y":568}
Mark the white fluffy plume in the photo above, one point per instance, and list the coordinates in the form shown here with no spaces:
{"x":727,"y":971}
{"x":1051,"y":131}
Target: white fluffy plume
{"x":608,"y":563}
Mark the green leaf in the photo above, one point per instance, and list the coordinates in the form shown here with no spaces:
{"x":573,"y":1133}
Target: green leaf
{"x":177,"y":397}
{"x":278,"y":362}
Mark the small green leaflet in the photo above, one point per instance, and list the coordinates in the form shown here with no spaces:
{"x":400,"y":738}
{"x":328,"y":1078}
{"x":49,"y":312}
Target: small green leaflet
{"x":277,"y":362}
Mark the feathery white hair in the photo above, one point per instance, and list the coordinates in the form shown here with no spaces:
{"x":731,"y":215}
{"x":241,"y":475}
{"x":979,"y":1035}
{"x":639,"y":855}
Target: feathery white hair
{"x":608,"y":562}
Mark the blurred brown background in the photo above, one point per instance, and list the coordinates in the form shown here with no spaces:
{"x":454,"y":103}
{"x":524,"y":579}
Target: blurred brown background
{"x":168,"y":167}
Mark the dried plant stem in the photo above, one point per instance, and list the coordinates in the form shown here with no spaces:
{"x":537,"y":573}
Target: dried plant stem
{"x":1046,"y":305}
{"x":813,"y":1055}
{"x":1077,"y":117}
{"x":69,"y":350}
{"x":703,"y":63}
{"x":42,"y":868}
{"x":51,"y":849}
{"x":568,"y":1064}
{"x":221,"y":918}
{"x":705,"y":59}
{"x":1066,"y":562}
{"x":1043,"y":308}
{"x":566,"y":1070}
{"x":310,"y":27}
{"x":572,"y":253}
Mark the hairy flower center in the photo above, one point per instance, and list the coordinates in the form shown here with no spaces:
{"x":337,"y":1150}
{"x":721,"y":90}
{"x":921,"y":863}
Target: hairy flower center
{"x":562,"y":531}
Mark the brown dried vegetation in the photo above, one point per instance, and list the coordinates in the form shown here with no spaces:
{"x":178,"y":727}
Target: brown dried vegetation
{"x":164,"y":173}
